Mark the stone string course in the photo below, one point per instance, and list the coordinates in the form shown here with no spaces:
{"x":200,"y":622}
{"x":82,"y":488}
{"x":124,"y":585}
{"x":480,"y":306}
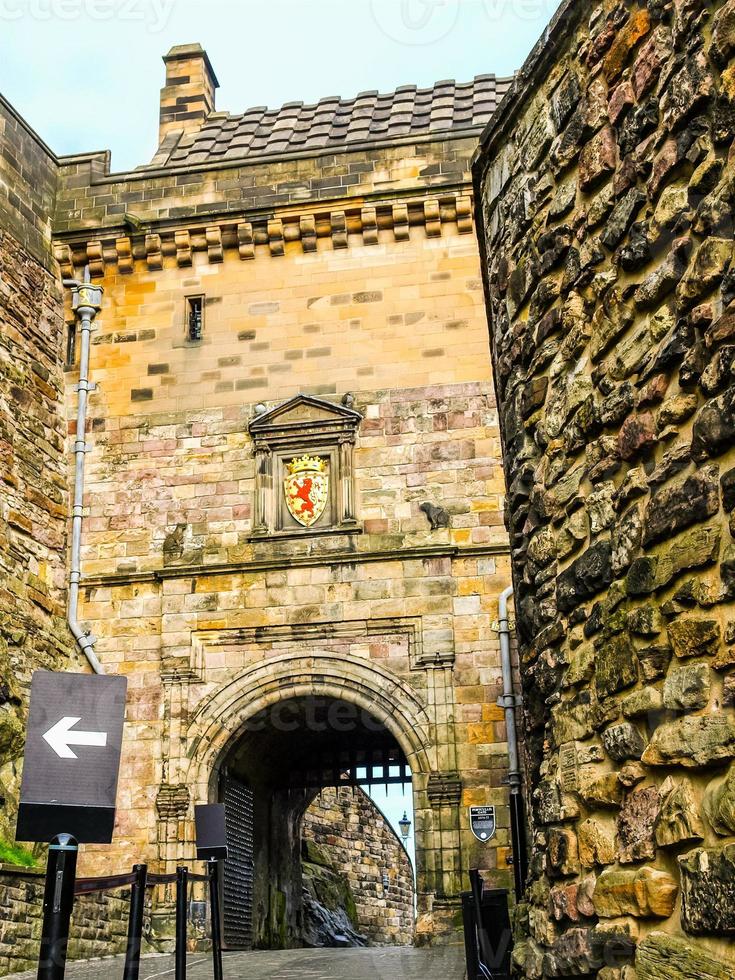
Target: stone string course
{"x":362,"y":846}
{"x":606,"y":206}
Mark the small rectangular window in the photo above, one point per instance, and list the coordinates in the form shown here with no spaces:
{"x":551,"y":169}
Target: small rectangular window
{"x":194,"y":317}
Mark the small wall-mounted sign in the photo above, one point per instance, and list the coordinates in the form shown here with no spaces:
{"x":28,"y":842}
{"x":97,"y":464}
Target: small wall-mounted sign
{"x":482,"y":822}
{"x":211,"y":831}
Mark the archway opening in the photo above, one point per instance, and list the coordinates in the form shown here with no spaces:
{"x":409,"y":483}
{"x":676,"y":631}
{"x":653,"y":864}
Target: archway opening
{"x":312,"y":860}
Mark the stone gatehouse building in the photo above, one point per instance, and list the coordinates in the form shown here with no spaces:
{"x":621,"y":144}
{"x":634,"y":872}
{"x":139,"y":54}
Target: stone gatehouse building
{"x":293,"y":537}
{"x":294,"y":524}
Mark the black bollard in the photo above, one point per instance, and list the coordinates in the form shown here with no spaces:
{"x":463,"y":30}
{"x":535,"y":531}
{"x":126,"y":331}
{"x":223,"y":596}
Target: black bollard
{"x":518,"y":841}
{"x":135,"y":923}
{"x":182,"y":882}
{"x":58,"y":901}
{"x":213,"y":875}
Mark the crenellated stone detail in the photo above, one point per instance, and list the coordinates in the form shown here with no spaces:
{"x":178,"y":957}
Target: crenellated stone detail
{"x":344,"y":228}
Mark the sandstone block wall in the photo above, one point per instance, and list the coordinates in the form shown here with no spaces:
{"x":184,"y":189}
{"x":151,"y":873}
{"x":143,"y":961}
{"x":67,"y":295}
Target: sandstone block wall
{"x":363,"y":846}
{"x":29,"y":176}
{"x":605,"y":194}
{"x":33,"y":465}
{"x":329,"y":296}
{"x":99,"y":922}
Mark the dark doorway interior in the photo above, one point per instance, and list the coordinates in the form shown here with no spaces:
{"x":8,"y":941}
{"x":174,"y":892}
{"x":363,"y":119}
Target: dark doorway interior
{"x":271,"y":775}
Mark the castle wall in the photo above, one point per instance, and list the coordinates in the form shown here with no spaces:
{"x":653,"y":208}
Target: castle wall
{"x":33,"y":464}
{"x":99,"y":924}
{"x":605,"y":195}
{"x":350,"y":830}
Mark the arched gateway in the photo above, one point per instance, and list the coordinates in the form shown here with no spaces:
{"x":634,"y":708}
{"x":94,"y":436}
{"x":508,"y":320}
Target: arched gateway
{"x":294,"y":492}
{"x":267,"y":724}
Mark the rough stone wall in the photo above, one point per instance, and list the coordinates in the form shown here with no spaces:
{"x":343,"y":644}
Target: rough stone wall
{"x":98,"y":926}
{"x":363,"y":846}
{"x":605,"y":189}
{"x":33,"y":466}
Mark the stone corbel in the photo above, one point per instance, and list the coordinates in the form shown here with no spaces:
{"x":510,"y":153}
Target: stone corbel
{"x":153,"y":254}
{"x":400,"y":222}
{"x":214,"y":243}
{"x":432,"y":219}
{"x":182,"y":240}
{"x":124,"y":253}
{"x":275,"y":236}
{"x":95,"y":259}
{"x":339,"y":229}
{"x":369,"y":226}
{"x":245,"y":244}
{"x":63,"y":255}
{"x":307,"y":226}
{"x":464,"y":215}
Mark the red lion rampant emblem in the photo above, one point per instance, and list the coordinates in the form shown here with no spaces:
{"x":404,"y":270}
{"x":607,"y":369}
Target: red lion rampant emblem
{"x":306,"y":488}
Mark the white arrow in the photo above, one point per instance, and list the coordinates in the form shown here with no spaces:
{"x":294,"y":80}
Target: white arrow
{"x":60,"y":737}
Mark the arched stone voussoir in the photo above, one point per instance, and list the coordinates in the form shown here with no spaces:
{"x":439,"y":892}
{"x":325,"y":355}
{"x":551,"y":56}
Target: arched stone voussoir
{"x":223,"y":716}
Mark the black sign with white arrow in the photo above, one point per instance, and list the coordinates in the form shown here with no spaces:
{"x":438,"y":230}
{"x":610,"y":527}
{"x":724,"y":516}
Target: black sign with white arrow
{"x":72,"y":757}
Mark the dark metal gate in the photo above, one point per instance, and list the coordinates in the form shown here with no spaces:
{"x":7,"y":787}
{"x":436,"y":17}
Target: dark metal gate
{"x":237,"y":884}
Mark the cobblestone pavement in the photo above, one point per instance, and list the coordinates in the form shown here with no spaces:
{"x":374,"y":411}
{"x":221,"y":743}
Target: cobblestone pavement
{"x":292,"y":964}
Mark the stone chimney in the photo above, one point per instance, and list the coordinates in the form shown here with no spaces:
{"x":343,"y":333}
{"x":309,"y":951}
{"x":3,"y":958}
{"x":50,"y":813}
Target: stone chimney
{"x":188,"y":96}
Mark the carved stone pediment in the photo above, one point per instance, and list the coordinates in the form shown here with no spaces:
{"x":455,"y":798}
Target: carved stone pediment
{"x":304,"y":417}
{"x":304,"y":482}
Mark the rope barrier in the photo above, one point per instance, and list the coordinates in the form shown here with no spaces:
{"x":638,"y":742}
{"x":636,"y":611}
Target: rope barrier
{"x":88,"y":886}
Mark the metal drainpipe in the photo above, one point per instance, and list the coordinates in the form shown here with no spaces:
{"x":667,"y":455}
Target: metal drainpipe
{"x":86,"y":303}
{"x":509,"y":702}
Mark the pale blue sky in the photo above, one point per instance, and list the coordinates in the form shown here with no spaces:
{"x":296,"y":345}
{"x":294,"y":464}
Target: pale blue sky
{"x":86,"y":73}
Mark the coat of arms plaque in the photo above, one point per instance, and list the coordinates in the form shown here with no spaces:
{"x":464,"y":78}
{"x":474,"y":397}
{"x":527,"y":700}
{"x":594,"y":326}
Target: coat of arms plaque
{"x":306,"y":487}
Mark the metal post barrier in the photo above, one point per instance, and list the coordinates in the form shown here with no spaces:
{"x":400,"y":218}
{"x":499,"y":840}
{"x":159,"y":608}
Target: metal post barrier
{"x":487,"y":932}
{"x":182,"y":889}
{"x":213,"y":875}
{"x":518,"y":837}
{"x":58,"y":901}
{"x":135,"y":923}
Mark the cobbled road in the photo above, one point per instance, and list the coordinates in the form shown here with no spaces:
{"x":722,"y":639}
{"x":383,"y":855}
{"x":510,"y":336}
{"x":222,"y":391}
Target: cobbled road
{"x":293,"y":964}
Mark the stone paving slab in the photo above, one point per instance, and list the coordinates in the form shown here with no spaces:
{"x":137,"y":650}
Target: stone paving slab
{"x":401,"y":963}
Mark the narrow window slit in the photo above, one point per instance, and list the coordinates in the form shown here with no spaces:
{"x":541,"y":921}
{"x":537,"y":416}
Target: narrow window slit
{"x":195,"y":317}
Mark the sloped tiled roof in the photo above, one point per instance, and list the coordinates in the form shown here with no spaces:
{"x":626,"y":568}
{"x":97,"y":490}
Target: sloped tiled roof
{"x":336,"y":123}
